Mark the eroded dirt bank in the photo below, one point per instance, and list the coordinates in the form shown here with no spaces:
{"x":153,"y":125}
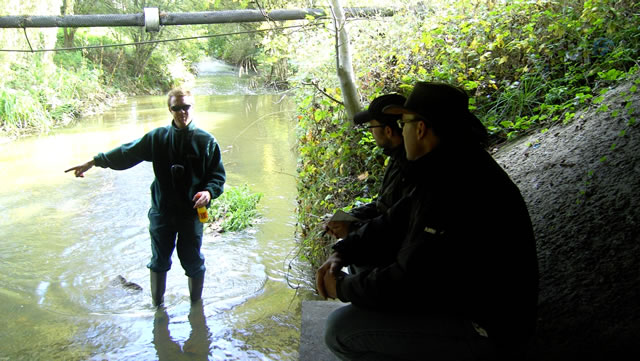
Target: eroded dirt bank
{"x":581,"y":182}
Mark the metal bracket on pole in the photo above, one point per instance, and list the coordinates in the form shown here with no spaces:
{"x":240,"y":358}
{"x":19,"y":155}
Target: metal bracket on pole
{"x":151,"y":19}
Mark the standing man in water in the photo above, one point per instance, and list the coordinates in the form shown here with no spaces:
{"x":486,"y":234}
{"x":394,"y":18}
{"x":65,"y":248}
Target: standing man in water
{"x":188,"y":174}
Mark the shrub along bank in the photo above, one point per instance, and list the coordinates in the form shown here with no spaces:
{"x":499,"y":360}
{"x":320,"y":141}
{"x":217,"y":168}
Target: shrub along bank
{"x":40,"y":92}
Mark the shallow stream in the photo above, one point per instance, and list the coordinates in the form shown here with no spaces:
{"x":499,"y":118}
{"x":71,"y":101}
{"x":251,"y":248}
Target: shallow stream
{"x":64,"y":240}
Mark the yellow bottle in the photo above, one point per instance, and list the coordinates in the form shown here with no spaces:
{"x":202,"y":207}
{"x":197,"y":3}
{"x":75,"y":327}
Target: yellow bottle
{"x":203,"y":216}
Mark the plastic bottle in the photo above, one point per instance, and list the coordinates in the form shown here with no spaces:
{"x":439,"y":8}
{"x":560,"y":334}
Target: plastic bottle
{"x":203,"y":216}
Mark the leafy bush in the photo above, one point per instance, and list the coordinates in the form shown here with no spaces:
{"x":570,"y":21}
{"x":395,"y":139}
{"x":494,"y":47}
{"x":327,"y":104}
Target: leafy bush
{"x":340,"y":168}
{"x":235,"y":209}
{"x":524,"y":62}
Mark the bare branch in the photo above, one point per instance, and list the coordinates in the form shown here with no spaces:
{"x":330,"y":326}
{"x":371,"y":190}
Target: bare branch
{"x":315,"y":84}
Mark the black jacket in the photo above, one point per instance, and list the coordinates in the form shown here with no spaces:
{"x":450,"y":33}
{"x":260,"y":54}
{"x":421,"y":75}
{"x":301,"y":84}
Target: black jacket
{"x":392,"y":189}
{"x":464,"y":246}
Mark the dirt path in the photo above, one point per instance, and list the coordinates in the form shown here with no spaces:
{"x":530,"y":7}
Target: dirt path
{"x":582,"y":185}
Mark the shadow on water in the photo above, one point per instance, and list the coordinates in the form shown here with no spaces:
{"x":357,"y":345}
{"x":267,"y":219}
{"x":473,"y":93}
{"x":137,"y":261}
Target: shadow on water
{"x":64,"y":241}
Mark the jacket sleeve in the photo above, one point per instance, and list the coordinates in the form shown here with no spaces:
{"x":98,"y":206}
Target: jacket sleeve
{"x":377,"y":240}
{"x":365,"y":212}
{"x":455,"y":258}
{"x":409,"y":270}
{"x":215,"y":174}
{"x":126,"y":155}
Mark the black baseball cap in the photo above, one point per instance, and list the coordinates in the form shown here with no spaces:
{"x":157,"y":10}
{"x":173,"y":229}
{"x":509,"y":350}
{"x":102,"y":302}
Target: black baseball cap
{"x":375,"y":110}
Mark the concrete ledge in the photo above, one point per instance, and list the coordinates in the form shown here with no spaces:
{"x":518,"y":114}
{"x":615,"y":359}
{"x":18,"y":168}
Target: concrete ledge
{"x":314,"y":316}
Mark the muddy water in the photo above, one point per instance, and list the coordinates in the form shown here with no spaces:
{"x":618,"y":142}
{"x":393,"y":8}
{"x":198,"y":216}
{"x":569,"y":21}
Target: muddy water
{"x":64,"y":240}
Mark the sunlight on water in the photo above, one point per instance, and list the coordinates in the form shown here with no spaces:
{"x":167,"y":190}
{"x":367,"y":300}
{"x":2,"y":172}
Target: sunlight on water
{"x":65,"y":241}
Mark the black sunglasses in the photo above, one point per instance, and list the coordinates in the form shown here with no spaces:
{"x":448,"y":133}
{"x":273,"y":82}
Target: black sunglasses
{"x":177,"y":108}
{"x":375,"y":126}
{"x":410,"y":118}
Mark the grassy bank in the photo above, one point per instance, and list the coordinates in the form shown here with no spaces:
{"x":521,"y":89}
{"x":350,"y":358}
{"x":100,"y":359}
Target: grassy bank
{"x":41,"y":92}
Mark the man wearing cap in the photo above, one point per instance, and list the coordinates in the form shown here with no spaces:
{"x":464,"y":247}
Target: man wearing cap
{"x":463,"y":283}
{"x":388,"y":135}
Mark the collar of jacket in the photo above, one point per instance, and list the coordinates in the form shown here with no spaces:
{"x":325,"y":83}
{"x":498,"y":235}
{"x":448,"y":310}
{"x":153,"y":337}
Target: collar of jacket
{"x":429,"y":164}
{"x":191,"y":126}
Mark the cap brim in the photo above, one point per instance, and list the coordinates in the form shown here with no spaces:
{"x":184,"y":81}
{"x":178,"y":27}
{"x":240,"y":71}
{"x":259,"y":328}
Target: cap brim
{"x":397,"y":109}
{"x":362,"y":117}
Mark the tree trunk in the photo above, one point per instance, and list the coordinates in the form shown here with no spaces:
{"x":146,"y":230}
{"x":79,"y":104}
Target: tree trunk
{"x":350,"y":95}
{"x":69,"y":33}
{"x":143,"y":52}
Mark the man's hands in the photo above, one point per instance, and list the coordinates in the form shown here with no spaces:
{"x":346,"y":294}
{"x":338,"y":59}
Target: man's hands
{"x":79,"y":170}
{"x":326,"y":276}
{"x":201,"y":199}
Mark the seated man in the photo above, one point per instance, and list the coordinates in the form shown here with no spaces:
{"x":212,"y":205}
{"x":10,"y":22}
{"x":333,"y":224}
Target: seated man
{"x":461,"y":281}
{"x":387,"y":134}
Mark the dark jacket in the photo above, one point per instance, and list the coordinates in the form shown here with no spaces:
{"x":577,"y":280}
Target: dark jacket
{"x":193,"y":148}
{"x":465,"y":248}
{"x":392,"y":189}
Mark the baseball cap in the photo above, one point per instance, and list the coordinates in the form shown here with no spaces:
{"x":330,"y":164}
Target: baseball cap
{"x":374,"y":111}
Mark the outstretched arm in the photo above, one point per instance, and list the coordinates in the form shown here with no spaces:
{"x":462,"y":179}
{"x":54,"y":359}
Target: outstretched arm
{"x":81,"y":169}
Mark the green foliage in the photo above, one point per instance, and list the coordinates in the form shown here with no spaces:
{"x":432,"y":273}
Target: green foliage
{"x":339,"y":169}
{"x":235,"y":209}
{"x":42,"y":91}
{"x":19,"y":111}
{"x":35,"y":97}
{"x":526,"y":65}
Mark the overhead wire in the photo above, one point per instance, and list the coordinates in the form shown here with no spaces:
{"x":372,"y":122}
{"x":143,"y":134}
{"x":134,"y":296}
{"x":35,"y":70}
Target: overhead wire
{"x":156,"y":41}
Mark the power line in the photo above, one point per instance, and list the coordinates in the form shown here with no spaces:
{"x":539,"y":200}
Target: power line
{"x":154,"y":41}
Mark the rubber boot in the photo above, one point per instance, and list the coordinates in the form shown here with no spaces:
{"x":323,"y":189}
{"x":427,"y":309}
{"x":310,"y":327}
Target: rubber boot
{"x":195,"y":288}
{"x":158,"y":285}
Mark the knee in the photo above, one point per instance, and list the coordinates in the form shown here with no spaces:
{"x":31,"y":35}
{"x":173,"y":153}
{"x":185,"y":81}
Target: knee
{"x":157,"y":265}
{"x":194,"y":269}
{"x":336,"y":325}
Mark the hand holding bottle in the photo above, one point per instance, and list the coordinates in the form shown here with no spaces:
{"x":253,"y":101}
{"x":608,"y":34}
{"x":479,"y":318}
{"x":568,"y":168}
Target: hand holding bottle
{"x":201,"y":200}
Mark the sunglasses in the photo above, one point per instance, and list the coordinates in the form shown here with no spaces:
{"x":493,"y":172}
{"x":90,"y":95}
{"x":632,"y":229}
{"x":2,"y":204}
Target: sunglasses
{"x":375,"y":126}
{"x":410,"y":118}
{"x":177,"y":108}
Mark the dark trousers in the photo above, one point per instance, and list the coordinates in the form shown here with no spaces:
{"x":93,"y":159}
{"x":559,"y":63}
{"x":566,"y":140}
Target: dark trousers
{"x":353,"y":333}
{"x":169,"y":232}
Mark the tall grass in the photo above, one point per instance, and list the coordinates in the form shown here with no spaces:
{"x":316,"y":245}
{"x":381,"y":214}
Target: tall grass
{"x":36,"y":97}
{"x":19,"y":111}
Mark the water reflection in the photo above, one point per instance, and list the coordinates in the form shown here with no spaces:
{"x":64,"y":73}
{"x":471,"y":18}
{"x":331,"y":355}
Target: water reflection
{"x":196,"y":347}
